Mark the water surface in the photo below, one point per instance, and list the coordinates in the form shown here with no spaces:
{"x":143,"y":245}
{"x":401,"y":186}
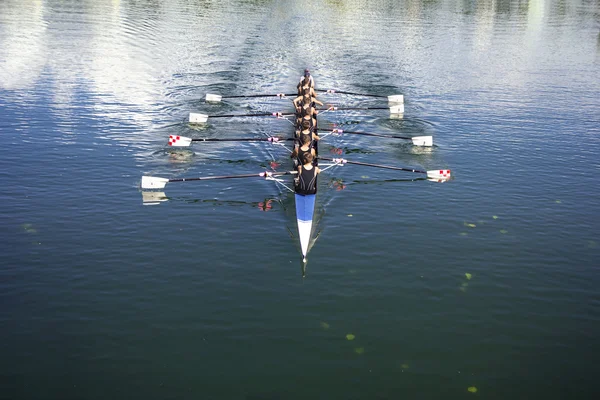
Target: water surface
{"x":488,"y":281}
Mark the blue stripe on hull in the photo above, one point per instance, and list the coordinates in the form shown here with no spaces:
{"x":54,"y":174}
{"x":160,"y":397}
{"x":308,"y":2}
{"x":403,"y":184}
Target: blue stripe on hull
{"x":305,"y":207}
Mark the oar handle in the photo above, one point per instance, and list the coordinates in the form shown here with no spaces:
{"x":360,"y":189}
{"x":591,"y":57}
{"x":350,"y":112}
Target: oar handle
{"x":343,"y":161}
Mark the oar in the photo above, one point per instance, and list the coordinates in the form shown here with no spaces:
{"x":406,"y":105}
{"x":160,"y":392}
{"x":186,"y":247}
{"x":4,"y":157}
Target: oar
{"x":182,"y":141}
{"x":153,"y":182}
{"x":217,"y":98}
{"x":426,"y":141}
{"x":440,"y":174}
{"x":396,"y":98}
{"x":398,"y":109}
{"x":200,"y":118}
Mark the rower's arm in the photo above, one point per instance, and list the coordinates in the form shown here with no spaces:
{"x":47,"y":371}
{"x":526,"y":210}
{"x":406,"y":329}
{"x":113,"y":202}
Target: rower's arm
{"x":317,"y":101}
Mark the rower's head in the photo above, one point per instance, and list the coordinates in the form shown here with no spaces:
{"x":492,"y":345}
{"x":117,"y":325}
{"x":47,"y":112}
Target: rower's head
{"x":308,"y":158}
{"x":306,"y":139}
{"x":306,"y":73}
{"x":305,"y":123}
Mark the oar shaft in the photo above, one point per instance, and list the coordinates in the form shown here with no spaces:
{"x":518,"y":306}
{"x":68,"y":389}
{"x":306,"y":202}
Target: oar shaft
{"x":359,"y":108}
{"x":350,"y":93}
{"x":274,"y":139}
{"x":249,"y":115}
{"x":207,"y":178}
{"x":376,"y":165}
{"x":372,"y":134}
{"x":240,"y":115}
{"x":259,"y":95}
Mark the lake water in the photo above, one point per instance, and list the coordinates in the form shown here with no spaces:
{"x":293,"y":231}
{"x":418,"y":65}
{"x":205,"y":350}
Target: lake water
{"x":485,"y":286}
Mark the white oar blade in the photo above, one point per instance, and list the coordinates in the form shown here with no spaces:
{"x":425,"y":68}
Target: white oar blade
{"x":397,"y":98}
{"x":152,"y":182}
{"x":213,"y":97}
{"x":153,"y":198}
{"x":196,"y":118}
{"x":439,"y":174}
{"x":426,"y":141}
{"x":179,"y":141}
{"x":395,"y":110}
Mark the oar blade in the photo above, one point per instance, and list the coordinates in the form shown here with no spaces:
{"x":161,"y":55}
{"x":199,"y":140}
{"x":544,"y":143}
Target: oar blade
{"x":439,"y":175}
{"x":153,"y":198}
{"x":213,"y":98}
{"x":179,"y":141}
{"x":197,"y":118}
{"x":397,"y":110}
{"x":425,"y":141}
{"x":397,"y":99}
{"x":153,"y":182}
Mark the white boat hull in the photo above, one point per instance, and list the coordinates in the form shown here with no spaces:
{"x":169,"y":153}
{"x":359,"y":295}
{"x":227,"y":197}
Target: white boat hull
{"x":305,"y":207}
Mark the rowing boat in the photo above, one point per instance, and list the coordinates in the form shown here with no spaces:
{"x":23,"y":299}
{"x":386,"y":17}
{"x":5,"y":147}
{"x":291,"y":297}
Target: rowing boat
{"x":305,"y":211}
{"x":304,"y":204}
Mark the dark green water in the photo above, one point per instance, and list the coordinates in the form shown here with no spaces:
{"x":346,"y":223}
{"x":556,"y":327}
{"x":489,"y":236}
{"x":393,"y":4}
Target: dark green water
{"x":413,"y":289}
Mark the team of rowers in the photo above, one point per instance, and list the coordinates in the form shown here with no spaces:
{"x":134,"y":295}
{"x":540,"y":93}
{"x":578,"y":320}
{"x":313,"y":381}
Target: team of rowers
{"x":305,"y":146}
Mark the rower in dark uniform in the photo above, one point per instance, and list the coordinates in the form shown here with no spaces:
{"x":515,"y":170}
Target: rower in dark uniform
{"x":306,"y":100}
{"x":303,"y":148}
{"x":308,"y":130}
{"x":306,"y":181}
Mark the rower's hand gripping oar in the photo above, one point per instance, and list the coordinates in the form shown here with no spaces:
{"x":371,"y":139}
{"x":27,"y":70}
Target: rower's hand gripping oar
{"x":438,"y":174}
{"x":197,"y":118}
{"x":153,"y":182}
{"x":182,"y":141}
{"x":426,"y":141}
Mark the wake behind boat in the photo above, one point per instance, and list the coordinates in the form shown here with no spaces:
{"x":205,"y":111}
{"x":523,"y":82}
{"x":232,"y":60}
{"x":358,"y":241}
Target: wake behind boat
{"x":305,"y":158}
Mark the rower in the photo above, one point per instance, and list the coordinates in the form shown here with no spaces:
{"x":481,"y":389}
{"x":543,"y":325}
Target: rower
{"x":306,"y":181}
{"x":305,"y":147}
{"x":309,"y":131}
{"x":305,"y":100}
{"x":306,"y":113}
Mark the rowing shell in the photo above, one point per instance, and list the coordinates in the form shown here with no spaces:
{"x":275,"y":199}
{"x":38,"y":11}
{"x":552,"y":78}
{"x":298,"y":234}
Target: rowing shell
{"x":305,"y":211}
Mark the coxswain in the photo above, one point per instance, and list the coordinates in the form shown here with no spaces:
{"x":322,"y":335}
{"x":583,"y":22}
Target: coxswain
{"x":306,"y":79}
{"x":306,"y":181}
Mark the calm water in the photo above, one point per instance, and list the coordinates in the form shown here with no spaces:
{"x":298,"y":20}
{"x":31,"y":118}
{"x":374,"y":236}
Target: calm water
{"x":413,"y":289}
